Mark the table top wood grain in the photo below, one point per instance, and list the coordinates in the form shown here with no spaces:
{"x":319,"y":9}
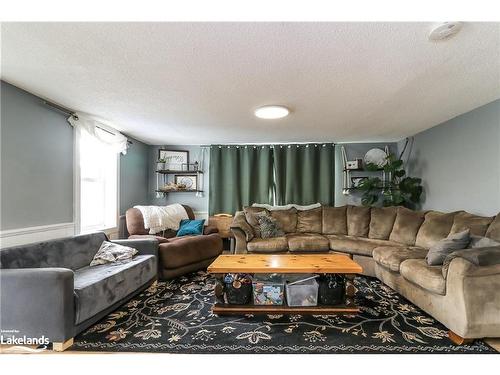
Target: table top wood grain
{"x":284,"y":263}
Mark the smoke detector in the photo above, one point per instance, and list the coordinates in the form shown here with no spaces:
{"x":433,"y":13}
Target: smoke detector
{"x":445,"y":30}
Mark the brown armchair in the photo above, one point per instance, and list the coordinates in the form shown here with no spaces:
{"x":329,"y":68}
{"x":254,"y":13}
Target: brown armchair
{"x":177,"y":255}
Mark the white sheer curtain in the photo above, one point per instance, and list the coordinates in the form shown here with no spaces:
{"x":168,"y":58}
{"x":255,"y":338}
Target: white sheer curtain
{"x":96,"y":176}
{"x":101,"y":132}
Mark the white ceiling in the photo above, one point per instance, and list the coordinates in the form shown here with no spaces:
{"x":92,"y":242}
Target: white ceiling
{"x":198,"y":83}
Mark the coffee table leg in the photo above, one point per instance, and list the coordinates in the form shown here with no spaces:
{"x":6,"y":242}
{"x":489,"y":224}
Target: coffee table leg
{"x":350,"y":290}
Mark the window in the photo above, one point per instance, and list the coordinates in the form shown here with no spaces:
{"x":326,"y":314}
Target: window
{"x":98,"y":182}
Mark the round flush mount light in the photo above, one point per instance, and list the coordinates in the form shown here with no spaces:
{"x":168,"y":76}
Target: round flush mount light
{"x":445,"y":31}
{"x":271,"y":112}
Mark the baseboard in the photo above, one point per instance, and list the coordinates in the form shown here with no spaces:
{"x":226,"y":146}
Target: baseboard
{"x":22,"y":236}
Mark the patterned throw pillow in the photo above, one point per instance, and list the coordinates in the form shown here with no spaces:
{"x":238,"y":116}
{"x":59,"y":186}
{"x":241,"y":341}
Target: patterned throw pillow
{"x":269,"y":226}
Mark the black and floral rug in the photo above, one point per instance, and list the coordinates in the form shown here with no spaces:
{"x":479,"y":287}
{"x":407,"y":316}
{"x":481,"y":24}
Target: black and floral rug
{"x":176,"y":317}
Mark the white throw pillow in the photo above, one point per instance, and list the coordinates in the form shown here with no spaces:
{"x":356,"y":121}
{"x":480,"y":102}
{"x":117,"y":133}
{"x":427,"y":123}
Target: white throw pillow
{"x":287,"y":206}
{"x":110,"y":252}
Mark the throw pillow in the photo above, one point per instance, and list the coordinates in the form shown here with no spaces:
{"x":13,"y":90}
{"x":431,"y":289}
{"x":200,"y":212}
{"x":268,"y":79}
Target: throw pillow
{"x":110,"y":252}
{"x":250,"y":213}
{"x":269,"y":227}
{"x":190,"y":227}
{"x":478,"y":241}
{"x":440,"y":250}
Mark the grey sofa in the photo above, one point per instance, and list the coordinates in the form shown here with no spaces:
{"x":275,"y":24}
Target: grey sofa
{"x":391,"y":243}
{"x":48,"y":288}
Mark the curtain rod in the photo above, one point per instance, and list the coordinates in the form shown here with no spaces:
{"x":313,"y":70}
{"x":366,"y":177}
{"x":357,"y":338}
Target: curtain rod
{"x":72,"y":113}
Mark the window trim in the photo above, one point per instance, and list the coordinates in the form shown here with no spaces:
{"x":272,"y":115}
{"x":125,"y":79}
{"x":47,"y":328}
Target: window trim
{"x":77,"y":187}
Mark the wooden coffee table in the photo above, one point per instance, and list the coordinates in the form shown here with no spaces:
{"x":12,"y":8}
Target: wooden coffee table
{"x":285,"y":264}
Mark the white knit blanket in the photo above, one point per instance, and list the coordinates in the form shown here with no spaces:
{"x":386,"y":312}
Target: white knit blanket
{"x":160,"y":218}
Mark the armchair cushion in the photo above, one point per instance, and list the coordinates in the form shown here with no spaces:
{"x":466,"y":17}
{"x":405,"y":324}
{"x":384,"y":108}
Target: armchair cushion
{"x":96,"y":288}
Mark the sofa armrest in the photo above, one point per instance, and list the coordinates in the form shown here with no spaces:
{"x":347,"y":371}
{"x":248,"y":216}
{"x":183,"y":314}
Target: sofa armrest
{"x":146,"y":246}
{"x":38,"y":302}
{"x":209,"y":229}
{"x":240,"y":222}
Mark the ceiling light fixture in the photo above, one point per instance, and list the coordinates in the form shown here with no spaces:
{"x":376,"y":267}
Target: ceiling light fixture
{"x":445,"y":30}
{"x":271,"y":112}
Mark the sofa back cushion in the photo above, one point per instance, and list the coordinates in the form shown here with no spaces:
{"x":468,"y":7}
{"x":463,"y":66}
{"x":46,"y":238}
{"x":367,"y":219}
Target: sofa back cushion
{"x":436,"y":226}
{"x":287,"y":219}
{"x":494,"y":229}
{"x":70,"y":252}
{"x":478,"y":225}
{"x":309,"y":220}
{"x":250,"y":213}
{"x":358,"y":221}
{"x":335,"y":220}
{"x":382,"y":221}
{"x":135,"y":222}
{"x":406,"y":226}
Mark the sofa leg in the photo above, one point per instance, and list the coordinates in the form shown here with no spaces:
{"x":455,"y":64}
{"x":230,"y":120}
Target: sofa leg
{"x":62,"y":346}
{"x":458,"y":340}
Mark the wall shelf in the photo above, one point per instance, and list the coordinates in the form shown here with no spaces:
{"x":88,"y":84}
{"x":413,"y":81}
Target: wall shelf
{"x":168,"y":171}
{"x":179,"y":191}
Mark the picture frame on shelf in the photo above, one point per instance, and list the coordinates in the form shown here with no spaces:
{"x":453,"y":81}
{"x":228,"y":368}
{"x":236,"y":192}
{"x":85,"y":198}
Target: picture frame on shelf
{"x":356,"y":181}
{"x":189,"y":181}
{"x":174,"y":159}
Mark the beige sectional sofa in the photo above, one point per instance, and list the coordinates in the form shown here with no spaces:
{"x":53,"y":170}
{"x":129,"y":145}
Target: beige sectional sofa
{"x":391,"y":243}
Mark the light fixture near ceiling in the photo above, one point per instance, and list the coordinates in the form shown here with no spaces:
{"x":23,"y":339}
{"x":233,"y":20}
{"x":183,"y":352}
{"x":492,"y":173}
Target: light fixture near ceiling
{"x":445,"y":31}
{"x":271,"y":112}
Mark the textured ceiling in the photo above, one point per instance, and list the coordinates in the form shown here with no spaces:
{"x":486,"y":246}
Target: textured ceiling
{"x":197,"y":83}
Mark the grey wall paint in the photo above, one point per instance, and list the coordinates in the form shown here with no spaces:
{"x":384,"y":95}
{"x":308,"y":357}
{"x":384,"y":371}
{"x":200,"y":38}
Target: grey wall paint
{"x":353,"y":151}
{"x":36,"y":161}
{"x":459,"y":162}
{"x":134,"y":176}
{"x":197,"y":204}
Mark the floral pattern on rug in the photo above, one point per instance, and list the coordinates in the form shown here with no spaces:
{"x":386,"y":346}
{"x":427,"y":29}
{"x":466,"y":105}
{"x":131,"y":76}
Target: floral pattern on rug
{"x":175,"y":317}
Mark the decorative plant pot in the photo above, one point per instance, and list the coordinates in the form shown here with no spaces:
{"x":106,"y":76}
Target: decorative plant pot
{"x":238,"y":296}
{"x":160,"y":166}
{"x":331,"y":290}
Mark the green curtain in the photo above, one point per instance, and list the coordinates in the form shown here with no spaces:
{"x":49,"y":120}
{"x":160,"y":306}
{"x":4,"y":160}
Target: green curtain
{"x":239,"y":176}
{"x":304,"y":174}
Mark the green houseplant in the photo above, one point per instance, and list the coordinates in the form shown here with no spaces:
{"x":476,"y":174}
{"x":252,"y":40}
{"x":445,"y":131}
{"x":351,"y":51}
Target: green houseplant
{"x":395,"y":189}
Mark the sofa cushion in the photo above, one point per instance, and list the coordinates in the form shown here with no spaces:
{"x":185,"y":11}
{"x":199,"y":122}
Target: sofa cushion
{"x":382,"y":221}
{"x":99,"y":287}
{"x":494,"y":229}
{"x":287,"y":219}
{"x":436,"y":226}
{"x":392,"y":257}
{"x":309,"y":220}
{"x":181,"y":251}
{"x":252,"y":220}
{"x":427,"y":277}
{"x":356,"y":245}
{"x":269,"y":227}
{"x":478,"y":225}
{"x":335,"y":220}
{"x":70,"y":252}
{"x":358,"y":221}
{"x":307,"y":242}
{"x":406,"y":226}
{"x":268,"y":245}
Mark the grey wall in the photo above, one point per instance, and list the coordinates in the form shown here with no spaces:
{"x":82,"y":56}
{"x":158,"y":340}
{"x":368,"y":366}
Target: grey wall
{"x":353,"y":151}
{"x":36,"y":160}
{"x":134,"y":176}
{"x":459,"y":162}
{"x":197,"y":204}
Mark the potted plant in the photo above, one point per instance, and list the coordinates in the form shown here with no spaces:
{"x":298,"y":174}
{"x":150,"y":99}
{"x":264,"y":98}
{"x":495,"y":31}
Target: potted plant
{"x":395,"y":189}
{"x":160,"y":164}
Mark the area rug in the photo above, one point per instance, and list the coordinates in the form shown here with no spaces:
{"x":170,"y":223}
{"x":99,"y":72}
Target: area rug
{"x":176,"y":317}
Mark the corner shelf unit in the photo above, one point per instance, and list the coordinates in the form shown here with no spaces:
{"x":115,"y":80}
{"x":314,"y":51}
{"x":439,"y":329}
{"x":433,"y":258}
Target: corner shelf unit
{"x":347,"y":187}
{"x":162,"y":179}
